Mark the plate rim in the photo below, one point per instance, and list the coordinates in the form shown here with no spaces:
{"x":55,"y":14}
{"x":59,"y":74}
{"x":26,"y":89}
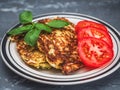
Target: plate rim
{"x":61,"y":13}
{"x":61,"y":77}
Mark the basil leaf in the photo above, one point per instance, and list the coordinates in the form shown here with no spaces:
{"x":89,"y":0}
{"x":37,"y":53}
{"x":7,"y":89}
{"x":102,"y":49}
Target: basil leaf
{"x":32,"y":36}
{"x":20,"y":30}
{"x":25,"y":17}
{"x":43,"y":27}
{"x":57,"y":23}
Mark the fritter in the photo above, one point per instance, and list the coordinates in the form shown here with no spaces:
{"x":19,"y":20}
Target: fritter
{"x":31,"y":55}
{"x":60,"y":48}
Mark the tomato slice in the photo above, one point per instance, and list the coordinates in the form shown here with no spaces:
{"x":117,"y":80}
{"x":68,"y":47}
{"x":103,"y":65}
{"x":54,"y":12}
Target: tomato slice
{"x":86,"y":23}
{"x":95,"y":32}
{"x":94,"y":52}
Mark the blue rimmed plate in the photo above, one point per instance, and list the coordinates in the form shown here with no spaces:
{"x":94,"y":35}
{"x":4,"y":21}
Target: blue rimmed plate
{"x":13,"y":61}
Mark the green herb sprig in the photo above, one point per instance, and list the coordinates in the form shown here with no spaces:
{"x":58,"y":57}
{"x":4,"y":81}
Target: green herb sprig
{"x":32,"y":30}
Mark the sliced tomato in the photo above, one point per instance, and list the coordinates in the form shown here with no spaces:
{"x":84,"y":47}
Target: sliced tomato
{"x":86,"y":23}
{"x":95,"y":32}
{"x":94,"y":52}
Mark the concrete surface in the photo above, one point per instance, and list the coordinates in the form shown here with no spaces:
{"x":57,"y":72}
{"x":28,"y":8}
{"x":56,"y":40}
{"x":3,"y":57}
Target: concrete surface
{"x":107,"y":10}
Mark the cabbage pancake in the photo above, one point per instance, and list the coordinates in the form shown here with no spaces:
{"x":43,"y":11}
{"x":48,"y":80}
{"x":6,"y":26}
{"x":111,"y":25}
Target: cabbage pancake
{"x":31,"y":55}
{"x":60,"y":48}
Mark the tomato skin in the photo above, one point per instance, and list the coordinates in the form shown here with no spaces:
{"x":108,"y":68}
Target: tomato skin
{"x":87,"y":23}
{"x":94,"y":52}
{"x":95,"y":32}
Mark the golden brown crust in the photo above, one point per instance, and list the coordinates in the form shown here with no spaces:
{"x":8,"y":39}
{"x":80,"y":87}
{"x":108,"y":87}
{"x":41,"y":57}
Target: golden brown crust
{"x":31,"y":55}
{"x":60,"y":48}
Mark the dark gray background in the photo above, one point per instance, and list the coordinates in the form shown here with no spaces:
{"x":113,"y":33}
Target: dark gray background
{"x":107,"y":10}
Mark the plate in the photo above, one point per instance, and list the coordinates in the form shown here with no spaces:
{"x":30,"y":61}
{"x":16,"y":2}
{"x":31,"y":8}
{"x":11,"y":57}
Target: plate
{"x":13,"y":61}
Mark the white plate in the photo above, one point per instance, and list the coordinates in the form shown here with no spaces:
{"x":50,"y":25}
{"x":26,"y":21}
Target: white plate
{"x":13,"y":61}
